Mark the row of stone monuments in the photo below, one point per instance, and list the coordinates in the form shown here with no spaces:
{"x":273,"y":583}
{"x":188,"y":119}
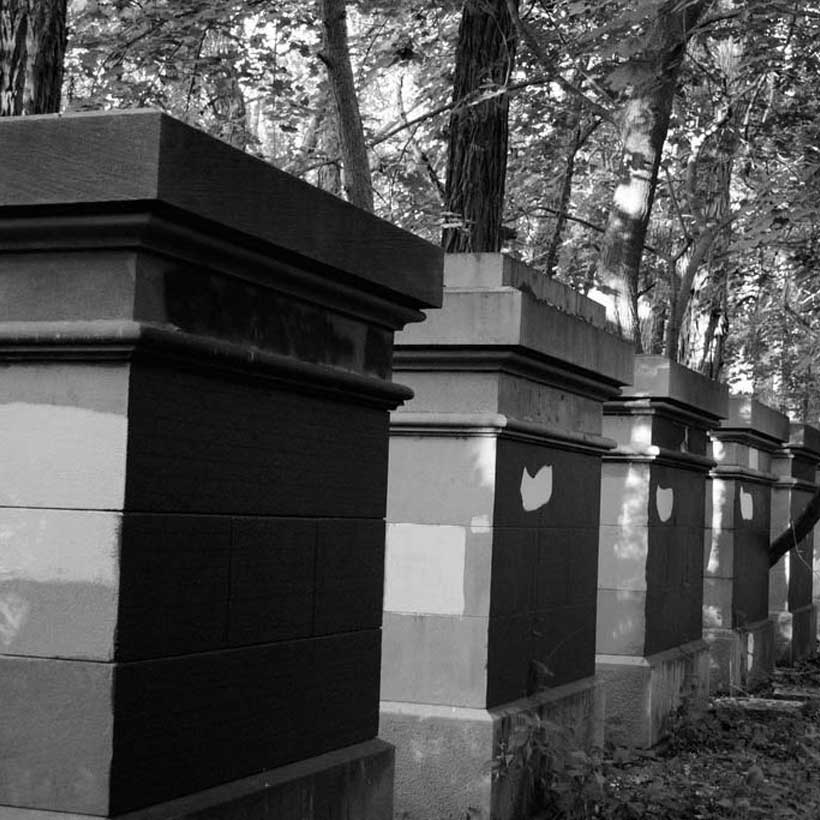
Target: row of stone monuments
{"x":203,"y":614}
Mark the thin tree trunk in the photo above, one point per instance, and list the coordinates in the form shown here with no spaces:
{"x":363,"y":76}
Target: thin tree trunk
{"x":32,"y":49}
{"x":579,"y":137}
{"x":477,"y":140}
{"x":335,"y":55}
{"x":329,"y":176}
{"x":689,"y":263}
{"x":644,"y":124}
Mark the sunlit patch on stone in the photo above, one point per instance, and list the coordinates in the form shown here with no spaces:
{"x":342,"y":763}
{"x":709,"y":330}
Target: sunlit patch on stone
{"x":536,"y":490}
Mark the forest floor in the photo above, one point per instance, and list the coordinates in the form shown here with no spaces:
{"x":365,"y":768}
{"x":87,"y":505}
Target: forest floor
{"x":750,"y":756}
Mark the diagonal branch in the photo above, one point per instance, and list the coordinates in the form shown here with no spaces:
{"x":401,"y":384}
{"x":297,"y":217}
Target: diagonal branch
{"x":527,"y":35}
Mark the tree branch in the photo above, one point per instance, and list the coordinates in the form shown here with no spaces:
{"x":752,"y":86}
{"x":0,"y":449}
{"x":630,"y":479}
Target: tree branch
{"x":526,"y":34}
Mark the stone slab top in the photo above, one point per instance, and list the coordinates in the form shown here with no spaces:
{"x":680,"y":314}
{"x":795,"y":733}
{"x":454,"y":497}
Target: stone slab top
{"x":805,"y":437}
{"x":495,"y":270}
{"x":487,"y":320}
{"x":748,"y":415}
{"x":125,"y":160}
{"x":657,"y":377}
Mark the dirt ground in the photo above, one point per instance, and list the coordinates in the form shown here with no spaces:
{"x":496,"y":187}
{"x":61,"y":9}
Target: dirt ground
{"x":751,"y":756}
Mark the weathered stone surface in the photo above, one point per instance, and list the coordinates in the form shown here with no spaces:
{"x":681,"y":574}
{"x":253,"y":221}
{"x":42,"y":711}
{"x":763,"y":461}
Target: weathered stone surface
{"x":195,"y":379}
{"x":493,"y":498}
{"x":736,"y":564}
{"x":653,"y":516}
{"x":452,"y":743}
{"x":642,"y":692}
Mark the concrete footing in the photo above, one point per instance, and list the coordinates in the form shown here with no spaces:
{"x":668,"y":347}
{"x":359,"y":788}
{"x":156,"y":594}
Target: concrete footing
{"x":642,"y":692}
{"x":444,"y":754}
{"x":741,"y":659}
{"x":354,"y":782}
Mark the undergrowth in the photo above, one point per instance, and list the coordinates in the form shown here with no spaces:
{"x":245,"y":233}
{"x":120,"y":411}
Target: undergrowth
{"x":744,"y":758}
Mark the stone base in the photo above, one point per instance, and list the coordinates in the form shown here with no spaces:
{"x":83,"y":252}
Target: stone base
{"x":641,"y":692}
{"x":444,"y":754}
{"x":354,"y":782}
{"x":795,"y":634}
{"x":741,"y":659}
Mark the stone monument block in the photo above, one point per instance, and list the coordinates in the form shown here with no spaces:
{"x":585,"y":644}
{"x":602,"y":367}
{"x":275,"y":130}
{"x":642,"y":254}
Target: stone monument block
{"x":791,"y":604}
{"x":195,"y":386}
{"x":650,"y":578}
{"x":736,"y":567}
{"x":492,"y":531}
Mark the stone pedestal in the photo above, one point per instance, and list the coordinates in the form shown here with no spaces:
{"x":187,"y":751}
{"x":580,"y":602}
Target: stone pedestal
{"x":650,"y":579}
{"x":736,"y":620}
{"x":194,"y":391}
{"x":791,"y":604}
{"x":492,"y":532}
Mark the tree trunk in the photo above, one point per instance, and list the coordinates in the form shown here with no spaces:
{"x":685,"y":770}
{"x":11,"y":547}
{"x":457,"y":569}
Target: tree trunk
{"x":685,"y":271}
{"x":32,"y":49}
{"x":477,"y":140}
{"x":335,"y":55}
{"x":329,"y":176}
{"x":644,"y":122}
{"x":580,"y":135}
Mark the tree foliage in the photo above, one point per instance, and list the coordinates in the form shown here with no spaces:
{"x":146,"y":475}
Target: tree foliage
{"x":719,"y":271}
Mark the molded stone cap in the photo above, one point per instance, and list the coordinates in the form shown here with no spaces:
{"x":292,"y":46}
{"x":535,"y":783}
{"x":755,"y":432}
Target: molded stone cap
{"x":137,"y":158}
{"x":496,"y":270}
{"x":748,"y":415}
{"x":657,"y":377}
{"x":805,"y":437}
{"x":492,"y":319}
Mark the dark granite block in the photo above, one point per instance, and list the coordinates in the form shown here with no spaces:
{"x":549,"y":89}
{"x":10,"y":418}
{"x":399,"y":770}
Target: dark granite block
{"x":752,"y":497}
{"x":674,"y":595}
{"x":509,"y":658}
{"x":174,"y":585}
{"x":184,"y":724}
{"x":574,"y":480}
{"x":514,"y":570}
{"x":567,"y":567}
{"x":564,"y":643}
{"x":272,"y":579}
{"x":688,"y":496}
{"x":349,"y":575}
{"x":254,"y":449}
{"x":751,"y":586}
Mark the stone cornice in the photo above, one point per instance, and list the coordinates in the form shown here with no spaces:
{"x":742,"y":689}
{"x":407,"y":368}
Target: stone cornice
{"x":512,"y":360}
{"x":166,"y":232}
{"x":110,"y":160}
{"x":660,"y":455}
{"x":787,"y":482}
{"x":747,"y":437}
{"x":730,"y":471}
{"x":403,"y":423}
{"x":668,"y":408}
{"x":98,"y":341}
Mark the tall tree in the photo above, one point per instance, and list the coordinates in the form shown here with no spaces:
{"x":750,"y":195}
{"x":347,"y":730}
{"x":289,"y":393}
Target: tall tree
{"x":335,"y":55}
{"x":647,"y":80}
{"x":478,"y":132}
{"x":652,"y":76}
{"x":32,"y":50}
